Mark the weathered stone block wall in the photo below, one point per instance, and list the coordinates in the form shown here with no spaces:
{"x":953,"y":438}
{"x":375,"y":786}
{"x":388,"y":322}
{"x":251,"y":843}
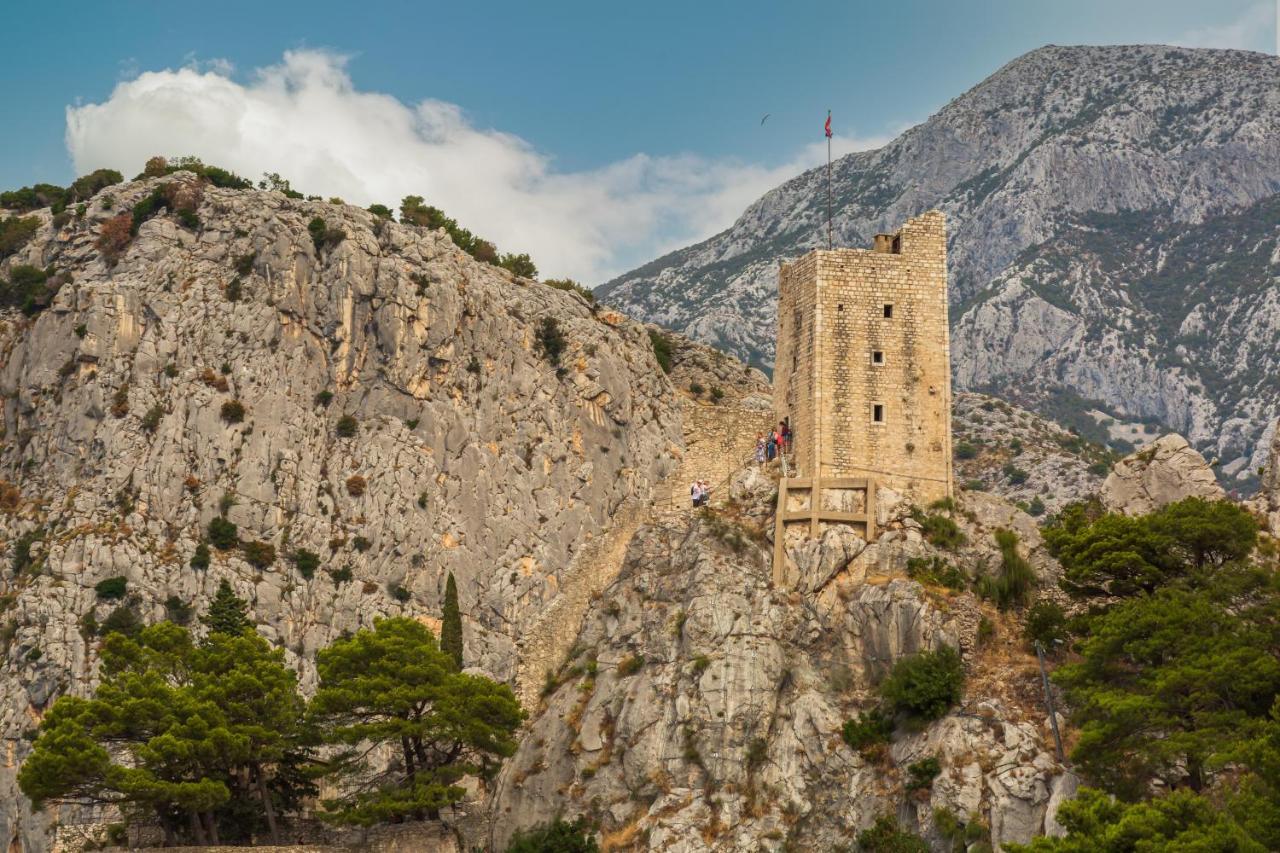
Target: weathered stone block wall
{"x":795,"y":393}
{"x":831,"y":325}
{"x":719,"y":439}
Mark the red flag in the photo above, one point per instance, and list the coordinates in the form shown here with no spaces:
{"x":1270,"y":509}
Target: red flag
{"x":827,"y":126}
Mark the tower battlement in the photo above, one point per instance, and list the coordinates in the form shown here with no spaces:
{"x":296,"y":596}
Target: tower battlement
{"x":863,"y":367}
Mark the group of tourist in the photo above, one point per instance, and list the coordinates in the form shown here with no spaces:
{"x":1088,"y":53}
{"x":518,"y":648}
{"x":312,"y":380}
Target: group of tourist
{"x":769,"y":447}
{"x":776,"y":443}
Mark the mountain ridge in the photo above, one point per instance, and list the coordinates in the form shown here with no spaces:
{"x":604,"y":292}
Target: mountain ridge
{"x":1056,"y":134}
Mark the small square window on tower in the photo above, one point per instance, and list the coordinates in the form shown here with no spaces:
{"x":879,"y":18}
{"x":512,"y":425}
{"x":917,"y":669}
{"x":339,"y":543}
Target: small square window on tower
{"x":877,"y":413}
{"x":888,"y":311}
{"x":877,"y":356}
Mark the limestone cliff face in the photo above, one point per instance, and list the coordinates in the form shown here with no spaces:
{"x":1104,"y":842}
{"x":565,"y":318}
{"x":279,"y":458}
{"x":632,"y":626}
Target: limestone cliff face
{"x":469,"y":453}
{"x":1112,"y":216}
{"x":701,"y":707}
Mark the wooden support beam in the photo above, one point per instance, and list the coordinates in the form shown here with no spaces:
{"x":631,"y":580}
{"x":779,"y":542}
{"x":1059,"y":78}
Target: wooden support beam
{"x":779,"y":528}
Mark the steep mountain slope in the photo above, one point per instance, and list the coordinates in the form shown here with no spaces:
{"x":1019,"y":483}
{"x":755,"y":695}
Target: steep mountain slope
{"x":702,"y":706}
{"x":1053,"y":139}
{"x":1166,"y":320}
{"x":397,"y":416}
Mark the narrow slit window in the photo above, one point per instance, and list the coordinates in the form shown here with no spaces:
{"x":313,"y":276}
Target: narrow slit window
{"x":888,"y":311}
{"x":877,"y":356}
{"x":877,"y":413}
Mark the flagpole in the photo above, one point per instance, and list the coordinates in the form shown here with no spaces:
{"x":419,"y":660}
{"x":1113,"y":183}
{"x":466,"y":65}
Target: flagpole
{"x":830,"y":242}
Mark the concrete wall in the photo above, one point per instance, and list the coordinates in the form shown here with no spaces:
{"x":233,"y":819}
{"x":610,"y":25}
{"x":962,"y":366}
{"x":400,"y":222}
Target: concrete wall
{"x":831,"y":321}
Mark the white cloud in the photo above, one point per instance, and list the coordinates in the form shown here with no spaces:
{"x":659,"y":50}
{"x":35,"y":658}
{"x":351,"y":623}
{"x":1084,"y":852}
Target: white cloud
{"x":1251,"y":30}
{"x":305,"y":119}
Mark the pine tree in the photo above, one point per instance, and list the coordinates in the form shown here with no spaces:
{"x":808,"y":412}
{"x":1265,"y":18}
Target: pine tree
{"x":451,"y":623}
{"x":208,"y":737}
{"x":393,"y":685}
{"x":228,"y":613}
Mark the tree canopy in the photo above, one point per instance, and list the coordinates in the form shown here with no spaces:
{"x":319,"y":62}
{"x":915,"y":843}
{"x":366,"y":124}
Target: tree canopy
{"x":1120,"y":555}
{"x":206,"y":738}
{"x":1175,"y":680}
{"x":393,"y":685}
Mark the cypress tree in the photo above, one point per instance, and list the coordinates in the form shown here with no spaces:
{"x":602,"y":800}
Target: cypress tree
{"x":451,"y":624}
{"x":228,"y":612}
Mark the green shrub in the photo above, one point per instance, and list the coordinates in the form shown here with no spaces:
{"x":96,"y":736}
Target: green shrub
{"x":200,"y":559}
{"x":558,"y":836}
{"x":306,"y":562}
{"x":886,"y":836}
{"x":381,"y":211}
{"x":341,"y":575}
{"x":630,"y":665}
{"x":696,"y":389}
{"x":81,"y":330}
{"x":222,"y":534}
{"x":260,"y":555}
{"x":398,"y":592}
{"x":939,"y":530}
{"x":521,"y":265}
{"x":920,"y":774}
{"x":1016,"y":579}
{"x":1036,"y":507}
{"x":244,"y":263}
{"x":717,"y":394}
{"x":986,"y":630}
{"x":123,"y":620}
{"x":926,"y":685}
{"x":177,"y":611}
{"x":965,"y":450}
{"x":662,"y":349}
{"x":112,"y":588}
{"x":28,"y":289}
{"x":1016,"y":475}
{"x":1046,"y":624}
{"x":16,"y":232}
{"x":936,"y":571}
{"x":361,"y":544}
{"x":346,"y":427}
{"x":551,"y":340}
{"x":151,"y":420}
{"x":571,"y":286}
{"x":232,"y":411}
{"x":324,"y":237}
{"x":323,"y":398}
{"x":870,"y":729}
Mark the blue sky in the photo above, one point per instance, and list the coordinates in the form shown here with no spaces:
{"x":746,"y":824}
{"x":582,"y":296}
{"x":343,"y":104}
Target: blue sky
{"x":649,"y":110}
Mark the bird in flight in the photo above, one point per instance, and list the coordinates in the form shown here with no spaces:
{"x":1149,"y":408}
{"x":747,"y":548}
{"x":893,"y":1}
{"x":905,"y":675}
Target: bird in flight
{"x":766,"y":116}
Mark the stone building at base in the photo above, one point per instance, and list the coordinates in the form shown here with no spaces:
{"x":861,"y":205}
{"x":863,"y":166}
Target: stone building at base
{"x":863,"y":373}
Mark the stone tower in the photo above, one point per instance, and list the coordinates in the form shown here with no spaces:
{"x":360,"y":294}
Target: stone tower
{"x":863,"y":366}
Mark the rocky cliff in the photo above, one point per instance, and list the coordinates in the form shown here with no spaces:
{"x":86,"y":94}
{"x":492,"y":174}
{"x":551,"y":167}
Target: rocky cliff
{"x":1113,"y":232}
{"x":701,"y":707}
{"x":362,"y":391}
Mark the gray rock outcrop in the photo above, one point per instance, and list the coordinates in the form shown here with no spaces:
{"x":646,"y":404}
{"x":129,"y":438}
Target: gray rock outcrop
{"x":1167,"y":471}
{"x":469,"y":452}
{"x":701,"y":708}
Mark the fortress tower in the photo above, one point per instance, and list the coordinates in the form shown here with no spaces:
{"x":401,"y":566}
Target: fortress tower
{"x":863,"y":371}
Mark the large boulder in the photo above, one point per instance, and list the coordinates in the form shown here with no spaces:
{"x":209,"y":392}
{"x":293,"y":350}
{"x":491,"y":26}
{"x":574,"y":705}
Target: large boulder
{"x":1269,"y":496}
{"x":1167,"y":471}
